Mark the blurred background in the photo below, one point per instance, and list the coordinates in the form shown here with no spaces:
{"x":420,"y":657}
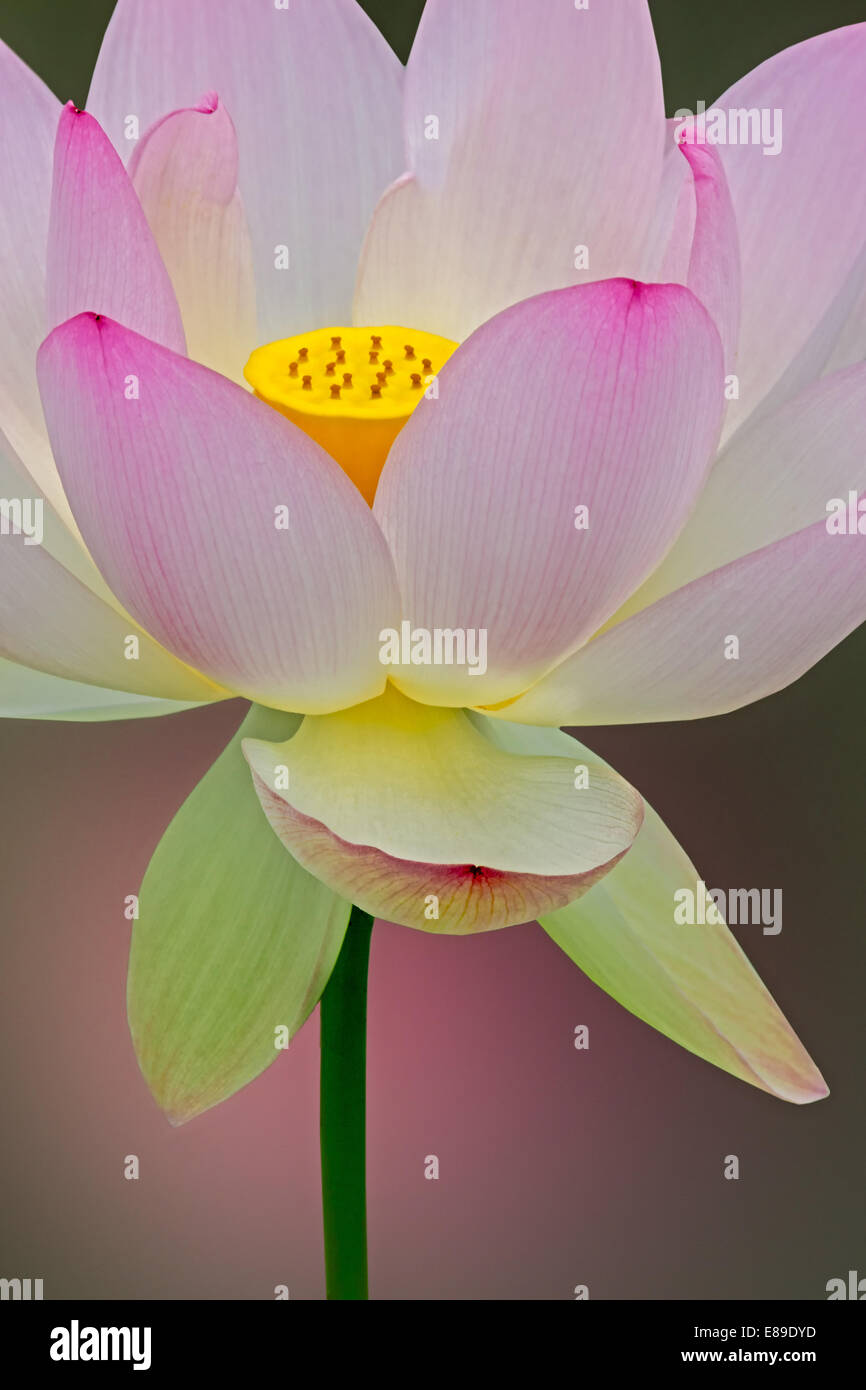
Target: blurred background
{"x":557,"y":1167}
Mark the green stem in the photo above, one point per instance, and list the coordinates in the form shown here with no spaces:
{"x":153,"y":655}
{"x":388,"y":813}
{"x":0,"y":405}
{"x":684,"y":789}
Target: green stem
{"x":342,"y":1114}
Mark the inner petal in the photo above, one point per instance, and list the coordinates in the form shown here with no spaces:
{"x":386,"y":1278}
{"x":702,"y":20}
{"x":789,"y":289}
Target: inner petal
{"x":351,"y":389}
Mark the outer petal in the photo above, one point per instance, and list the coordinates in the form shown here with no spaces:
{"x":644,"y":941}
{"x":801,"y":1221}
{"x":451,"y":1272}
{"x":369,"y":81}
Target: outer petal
{"x":28,"y":120}
{"x":694,"y":238}
{"x":101,"y":252}
{"x":392,"y":802}
{"x":800,"y":213}
{"x":714,"y":260}
{"x":607,"y":397}
{"x":692,"y":983}
{"x":57,"y":538}
{"x":179,"y":492}
{"x":531,"y":131}
{"x":314,"y":91}
{"x":669,"y":241}
{"x":56,"y":612}
{"x":786,"y":605}
{"x":838,"y":341}
{"x":185,"y":173}
{"x":850,"y":344}
{"x":50,"y":620}
{"x":774,"y":478}
{"x":234,"y":941}
{"x":28,"y":694}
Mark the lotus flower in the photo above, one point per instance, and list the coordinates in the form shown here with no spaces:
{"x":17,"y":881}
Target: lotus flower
{"x":429,"y":410}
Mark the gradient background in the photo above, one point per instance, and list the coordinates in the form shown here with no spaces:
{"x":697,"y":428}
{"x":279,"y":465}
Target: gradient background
{"x":557,"y":1167}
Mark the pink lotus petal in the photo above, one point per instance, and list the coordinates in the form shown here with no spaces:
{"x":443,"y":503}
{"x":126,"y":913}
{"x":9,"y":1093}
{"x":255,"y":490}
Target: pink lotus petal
{"x":101,"y":252}
{"x":184,"y":170}
{"x":60,"y":542}
{"x":532,"y":131}
{"x":28,"y":120}
{"x":230,"y":536}
{"x":839,"y":340}
{"x":49,"y":620}
{"x":669,"y":241}
{"x":800,"y":212}
{"x":605,"y":396}
{"x":786,"y":605}
{"x":713,"y":273}
{"x":315,"y":94}
{"x":775,"y":477}
{"x":694,"y":237}
{"x":849,"y":346}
